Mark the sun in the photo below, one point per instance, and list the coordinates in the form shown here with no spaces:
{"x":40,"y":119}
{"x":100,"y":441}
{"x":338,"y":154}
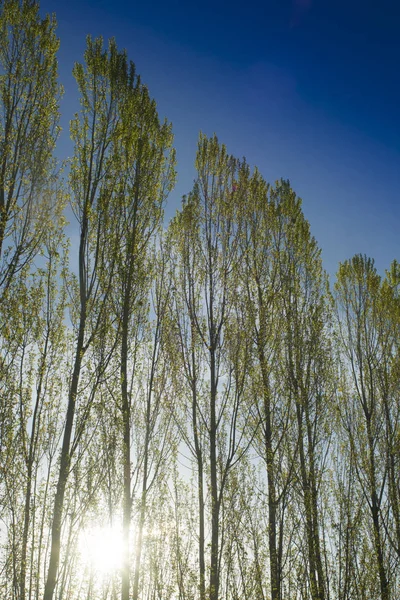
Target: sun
{"x":101,"y":549}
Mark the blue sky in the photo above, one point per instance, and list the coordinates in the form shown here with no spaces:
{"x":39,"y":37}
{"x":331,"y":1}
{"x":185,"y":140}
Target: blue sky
{"x":307,"y":90}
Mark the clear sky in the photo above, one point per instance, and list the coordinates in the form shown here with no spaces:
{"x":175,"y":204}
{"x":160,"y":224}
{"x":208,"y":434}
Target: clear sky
{"x":307,"y":90}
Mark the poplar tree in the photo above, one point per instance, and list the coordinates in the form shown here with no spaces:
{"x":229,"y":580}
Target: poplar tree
{"x":307,"y":372}
{"x":105,"y":79}
{"x":29,"y":205}
{"x":210,"y":347}
{"x":29,"y":95}
{"x":264,"y":218}
{"x":368,"y":330}
{"x":146,"y":163}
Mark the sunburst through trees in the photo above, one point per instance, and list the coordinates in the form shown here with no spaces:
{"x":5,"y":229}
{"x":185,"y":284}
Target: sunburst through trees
{"x":187,"y":411}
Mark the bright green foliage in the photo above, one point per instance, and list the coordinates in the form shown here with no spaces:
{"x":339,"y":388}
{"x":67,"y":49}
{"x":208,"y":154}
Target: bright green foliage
{"x":211,"y":350}
{"x":283,"y":292}
{"x":189,"y":389}
{"x":309,"y":377}
{"x":104,"y":84}
{"x":146,"y":174}
{"x":368,"y":327}
{"x":33,"y":355}
{"x":29,"y":95}
{"x":121,"y":172}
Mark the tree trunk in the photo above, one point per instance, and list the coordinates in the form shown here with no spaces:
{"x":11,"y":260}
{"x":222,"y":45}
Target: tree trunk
{"x":65,"y":451}
{"x":64,"y":471}
{"x":269,"y":458}
{"x":126,"y":419}
{"x":375,"y":509}
{"x":200,"y":482}
{"x":317,"y":587}
{"x":214,"y":566}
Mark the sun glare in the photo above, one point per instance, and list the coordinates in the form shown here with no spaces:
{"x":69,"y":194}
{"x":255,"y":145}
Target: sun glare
{"x":101,"y":549}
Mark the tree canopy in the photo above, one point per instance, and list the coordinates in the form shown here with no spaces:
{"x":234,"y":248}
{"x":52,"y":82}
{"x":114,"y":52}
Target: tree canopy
{"x":189,"y":410}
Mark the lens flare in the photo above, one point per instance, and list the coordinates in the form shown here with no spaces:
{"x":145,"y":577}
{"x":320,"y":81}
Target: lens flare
{"x":101,"y":549}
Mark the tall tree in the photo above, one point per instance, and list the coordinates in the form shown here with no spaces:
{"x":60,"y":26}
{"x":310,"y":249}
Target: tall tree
{"x":366,"y":335}
{"x":211,"y":351}
{"x":32,"y":344}
{"x":94,"y":179}
{"x":388,"y":332}
{"x":29,"y":95}
{"x":307,"y":370}
{"x":51,"y":344}
{"x":154,"y":436}
{"x":147,"y":175}
{"x":264,"y":219}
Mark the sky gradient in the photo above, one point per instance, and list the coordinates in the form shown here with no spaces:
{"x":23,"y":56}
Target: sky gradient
{"x":307,"y":90}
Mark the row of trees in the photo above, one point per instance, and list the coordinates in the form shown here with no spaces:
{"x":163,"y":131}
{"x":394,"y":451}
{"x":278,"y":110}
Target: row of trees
{"x":199,"y":388}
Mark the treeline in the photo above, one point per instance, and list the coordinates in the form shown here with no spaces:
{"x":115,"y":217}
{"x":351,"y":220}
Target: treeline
{"x":199,"y":388}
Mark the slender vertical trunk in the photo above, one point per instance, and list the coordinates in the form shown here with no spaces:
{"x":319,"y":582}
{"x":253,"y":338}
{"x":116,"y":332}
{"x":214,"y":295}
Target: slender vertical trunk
{"x":375,"y":509}
{"x":273,"y":557}
{"x":314,"y":513}
{"x":28,"y":494}
{"x":202,"y":561}
{"x":316,"y":591}
{"x":308,"y":483}
{"x":269,"y":457}
{"x":64,"y":469}
{"x":139,"y":543}
{"x":126,"y":404}
{"x":143,"y":501}
{"x":14,"y":555}
{"x":200,"y":481}
{"x":213,"y":341}
{"x":27,"y":518}
{"x":32,"y":552}
{"x":346,"y":580}
{"x":41,"y":532}
{"x":214,"y":570}
{"x":126,"y":419}
{"x":65,"y":450}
